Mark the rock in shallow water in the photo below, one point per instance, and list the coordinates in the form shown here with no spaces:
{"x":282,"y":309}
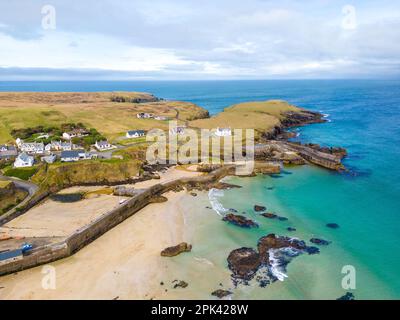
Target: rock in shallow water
{"x":332,"y":225}
{"x":175,"y":250}
{"x":244,"y":262}
{"x":320,"y":242}
{"x":269,"y":215}
{"x":347,"y":296}
{"x":239,"y":220}
{"x":259,"y":208}
{"x":221,"y":293}
{"x":291,"y":229}
{"x":268,"y":262}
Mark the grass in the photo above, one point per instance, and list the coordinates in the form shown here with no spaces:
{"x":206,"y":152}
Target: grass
{"x":261,"y":116}
{"x":4,"y":184}
{"x":21,"y":173}
{"x":94,"y":110}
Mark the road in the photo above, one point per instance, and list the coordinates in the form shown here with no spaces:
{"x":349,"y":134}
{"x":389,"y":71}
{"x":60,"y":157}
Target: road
{"x":30,"y":187}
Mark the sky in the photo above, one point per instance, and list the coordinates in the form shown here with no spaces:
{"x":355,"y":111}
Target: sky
{"x":198,"y":40}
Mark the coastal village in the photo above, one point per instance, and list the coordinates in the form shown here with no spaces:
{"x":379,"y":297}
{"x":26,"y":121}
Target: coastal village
{"x":96,"y":179}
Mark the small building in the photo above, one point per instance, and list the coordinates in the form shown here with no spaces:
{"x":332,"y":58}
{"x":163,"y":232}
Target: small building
{"x":144,"y":115}
{"x":74,"y":155}
{"x":223,"y":132}
{"x":8,"y":152}
{"x":49,"y":159}
{"x":32,"y":147}
{"x":23,"y":161}
{"x":135,"y":133}
{"x":59,"y":146}
{"x":103,"y":145}
{"x":75,"y":133}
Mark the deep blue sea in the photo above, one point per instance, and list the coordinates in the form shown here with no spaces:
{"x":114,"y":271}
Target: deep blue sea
{"x":364,"y":117}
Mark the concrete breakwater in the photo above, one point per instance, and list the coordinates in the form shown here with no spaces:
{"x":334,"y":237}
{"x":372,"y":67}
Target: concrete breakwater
{"x":87,"y":234}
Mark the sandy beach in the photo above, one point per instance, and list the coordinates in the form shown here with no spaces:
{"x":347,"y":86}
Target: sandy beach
{"x":124,"y":263}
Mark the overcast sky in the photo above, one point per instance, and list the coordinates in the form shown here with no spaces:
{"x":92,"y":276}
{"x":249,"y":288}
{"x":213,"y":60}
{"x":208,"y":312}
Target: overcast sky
{"x":192,"y":39}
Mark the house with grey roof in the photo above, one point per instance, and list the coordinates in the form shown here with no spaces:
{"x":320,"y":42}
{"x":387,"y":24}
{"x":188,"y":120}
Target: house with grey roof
{"x":8,"y":152}
{"x":23,"y":161}
{"x":135,"y":133}
{"x":103,"y":145}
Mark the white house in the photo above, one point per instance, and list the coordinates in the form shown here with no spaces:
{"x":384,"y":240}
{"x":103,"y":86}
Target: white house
{"x":144,"y":115}
{"x":32,"y":147}
{"x":75,"y":155}
{"x":23,"y":160}
{"x":135,"y":133}
{"x":103,"y":145}
{"x":49,"y":159}
{"x":75,"y":133}
{"x":58,"y":146}
{"x":223,"y":132}
{"x":3,"y":148}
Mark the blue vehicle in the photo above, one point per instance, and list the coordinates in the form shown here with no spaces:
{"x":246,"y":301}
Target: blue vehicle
{"x":26,"y":247}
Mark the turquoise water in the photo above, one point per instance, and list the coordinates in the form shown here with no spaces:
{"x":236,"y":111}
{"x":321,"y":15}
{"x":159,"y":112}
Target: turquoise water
{"x":365,"y":118}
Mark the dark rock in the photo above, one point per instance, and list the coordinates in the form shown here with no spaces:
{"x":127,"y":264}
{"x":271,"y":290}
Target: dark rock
{"x":269,"y":215}
{"x":181,"y":284}
{"x":233,"y":210}
{"x":320,"y":242}
{"x":208,"y":207}
{"x":161,"y":283}
{"x":347,"y":296}
{"x":221,"y":293}
{"x":291,"y":229}
{"x":175,"y":250}
{"x":193,"y":194}
{"x":282,"y":219}
{"x":332,"y":225}
{"x":259,"y":208}
{"x":239,"y":220}
{"x":158,"y":199}
{"x":244,"y":262}
{"x":312,"y":250}
{"x":273,"y":242}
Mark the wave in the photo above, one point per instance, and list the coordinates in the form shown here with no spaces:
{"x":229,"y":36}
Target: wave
{"x":204,"y":260}
{"x":276,"y":268}
{"x":213,"y":196}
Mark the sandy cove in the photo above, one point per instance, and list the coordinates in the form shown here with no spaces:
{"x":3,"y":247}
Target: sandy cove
{"x":125,"y":262}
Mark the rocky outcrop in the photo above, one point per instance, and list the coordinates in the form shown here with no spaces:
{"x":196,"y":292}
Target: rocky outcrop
{"x":239,"y":221}
{"x":295,"y":119}
{"x":181,"y":284}
{"x":320,"y":242}
{"x":158,"y":199}
{"x":221,"y":293}
{"x":246,"y":262}
{"x":258,"y":208}
{"x":332,"y":225}
{"x":347,"y":296}
{"x":175,"y":250}
{"x":269,"y":215}
{"x":294,"y":153}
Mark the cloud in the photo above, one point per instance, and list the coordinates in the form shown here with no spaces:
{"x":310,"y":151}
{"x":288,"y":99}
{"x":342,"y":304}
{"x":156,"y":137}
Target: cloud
{"x":187,"y":39}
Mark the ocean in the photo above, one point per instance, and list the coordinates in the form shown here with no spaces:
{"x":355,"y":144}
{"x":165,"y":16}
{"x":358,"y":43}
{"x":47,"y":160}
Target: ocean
{"x":364,"y":117}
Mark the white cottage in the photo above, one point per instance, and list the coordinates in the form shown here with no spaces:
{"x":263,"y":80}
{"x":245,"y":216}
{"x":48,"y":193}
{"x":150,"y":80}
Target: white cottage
{"x":23,"y":160}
